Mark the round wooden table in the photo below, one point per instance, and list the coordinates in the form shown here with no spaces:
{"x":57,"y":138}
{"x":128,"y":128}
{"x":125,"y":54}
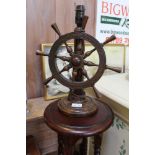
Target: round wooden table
{"x":71,"y":129}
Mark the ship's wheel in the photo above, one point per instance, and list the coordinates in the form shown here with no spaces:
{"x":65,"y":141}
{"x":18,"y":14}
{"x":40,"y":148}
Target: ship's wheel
{"x":76,"y":60}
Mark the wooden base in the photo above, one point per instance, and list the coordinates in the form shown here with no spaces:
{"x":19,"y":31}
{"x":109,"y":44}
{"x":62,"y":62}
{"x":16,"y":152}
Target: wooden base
{"x":67,"y":144}
{"x":79,"y":108}
{"x":71,"y":129}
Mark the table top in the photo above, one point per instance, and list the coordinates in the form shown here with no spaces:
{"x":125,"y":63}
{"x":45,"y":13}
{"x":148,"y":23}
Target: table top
{"x":115,"y":87}
{"x":79,"y":126}
{"x":36,"y":107}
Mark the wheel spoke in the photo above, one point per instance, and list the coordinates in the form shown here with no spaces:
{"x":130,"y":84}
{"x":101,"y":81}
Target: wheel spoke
{"x":111,"y":38}
{"x":69,"y":49}
{"x":64,"y":58}
{"x":56,"y":29}
{"x":89,"y":63}
{"x":84,"y":72}
{"x":66,"y":68}
{"x":115,"y":69}
{"x":48,"y":80}
{"x":41,"y":53}
{"x":88,"y":53}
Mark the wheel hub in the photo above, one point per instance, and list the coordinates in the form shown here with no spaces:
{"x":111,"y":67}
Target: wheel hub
{"x":76,"y":61}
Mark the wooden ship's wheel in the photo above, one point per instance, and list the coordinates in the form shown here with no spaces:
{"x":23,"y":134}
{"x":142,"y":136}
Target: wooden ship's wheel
{"x":77,"y":104}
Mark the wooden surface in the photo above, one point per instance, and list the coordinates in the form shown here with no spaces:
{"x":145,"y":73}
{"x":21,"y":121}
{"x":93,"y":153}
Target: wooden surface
{"x":71,"y":129}
{"x":36,"y":108}
{"x":44,"y":136}
{"x":31,"y":146}
{"x":40,"y":15}
{"x":35,"y":125}
{"x":53,"y":153}
{"x":79,"y":126}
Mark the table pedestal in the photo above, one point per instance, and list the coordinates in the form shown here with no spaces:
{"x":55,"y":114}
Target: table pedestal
{"x":71,"y":129}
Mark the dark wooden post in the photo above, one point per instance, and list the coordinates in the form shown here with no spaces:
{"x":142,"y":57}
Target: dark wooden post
{"x":97,"y":144}
{"x":69,"y":144}
{"x":60,"y":145}
{"x":83,"y":146}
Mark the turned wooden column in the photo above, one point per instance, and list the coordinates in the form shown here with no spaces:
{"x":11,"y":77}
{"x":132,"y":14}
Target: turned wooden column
{"x":97,"y":144}
{"x":83,"y":146}
{"x":60,"y":145}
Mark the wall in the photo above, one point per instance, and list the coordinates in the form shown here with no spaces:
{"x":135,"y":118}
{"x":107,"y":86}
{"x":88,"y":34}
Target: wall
{"x":40,"y":15}
{"x":115,"y":141}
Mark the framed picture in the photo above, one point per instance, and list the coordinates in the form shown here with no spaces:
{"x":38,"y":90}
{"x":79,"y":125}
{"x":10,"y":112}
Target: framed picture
{"x":54,"y":90}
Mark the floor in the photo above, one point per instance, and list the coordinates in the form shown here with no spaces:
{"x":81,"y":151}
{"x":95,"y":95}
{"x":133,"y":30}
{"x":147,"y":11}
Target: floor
{"x":54,"y":153}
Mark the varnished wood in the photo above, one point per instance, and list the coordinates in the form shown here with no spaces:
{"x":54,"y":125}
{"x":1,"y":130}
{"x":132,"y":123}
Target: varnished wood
{"x":44,"y":136}
{"x":38,"y":52}
{"x":89,"y":63}
{"x":66,"y":22}
{"x":85,"y":19}
{"x":71,"y":129}
{"x":83,"y":126}
{"x":61,"y":146}
{"x":69,"y":144}
{"x":115,"y":69}
{"x":36,"y":108}
{"x":56,"y":29}
{"x":31,"y":146}
{"x":111,"y":38}
{"x":83,"y":146}
{"x":39,"y":17}
{"x":35,"y":125}
{"x":97,"y":144}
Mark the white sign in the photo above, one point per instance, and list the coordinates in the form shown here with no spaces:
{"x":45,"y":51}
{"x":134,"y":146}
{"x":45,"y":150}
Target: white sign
{"x":113,"y":18}
{"x":76,"y":105}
